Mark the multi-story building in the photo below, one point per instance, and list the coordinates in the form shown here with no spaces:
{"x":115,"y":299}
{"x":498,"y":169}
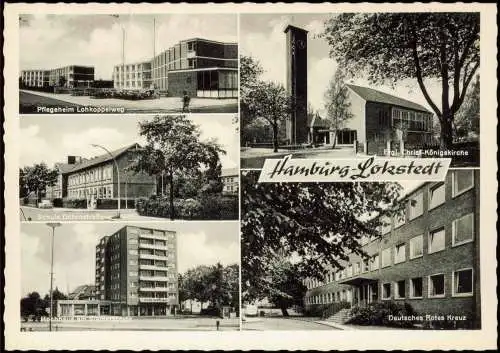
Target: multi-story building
{"x":35,"y":78}
{"x":427,"y":257}
{"x":230,"y":179}
{"x":136,"y":271}
{"x":135,"y":76}
{"x":72,"y":76}
{"x":201,"y":67}
{"x":97,"y":177}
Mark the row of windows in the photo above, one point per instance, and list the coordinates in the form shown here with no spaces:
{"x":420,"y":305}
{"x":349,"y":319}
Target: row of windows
{"x":407,"y":119}
{"x":97,"y":192}
{"x":462,"y":233}
{"x":462,"y":181}
{"x":462,"y":285}
{"x":98,"y":174}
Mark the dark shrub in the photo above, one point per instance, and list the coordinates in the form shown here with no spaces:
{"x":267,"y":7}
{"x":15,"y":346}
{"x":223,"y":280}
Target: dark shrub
{"x":217,"y":206}
{"x":57,"y":202}
{"x":112,"y":204}
{"x":75,"y":203}
{"x":378,"y":313}
{"x":210,"y":311}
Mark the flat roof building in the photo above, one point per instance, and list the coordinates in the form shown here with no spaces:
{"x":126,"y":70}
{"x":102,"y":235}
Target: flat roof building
{"x":428,"y":257}
{"x":136,"y":270}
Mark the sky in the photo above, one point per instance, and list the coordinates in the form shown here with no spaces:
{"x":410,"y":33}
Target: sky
{"x":262,"y":37}
{"x":51,"y":41}
{"x":51,"y":138}
{"x":199,"y":243}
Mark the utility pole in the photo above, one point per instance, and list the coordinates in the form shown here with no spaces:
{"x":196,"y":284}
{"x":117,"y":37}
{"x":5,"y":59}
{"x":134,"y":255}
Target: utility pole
{"x":53,"y":226}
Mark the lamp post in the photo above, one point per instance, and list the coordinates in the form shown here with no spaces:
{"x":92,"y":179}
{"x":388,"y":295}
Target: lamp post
{"x":53,"y":226}
{"x":117,"y":174}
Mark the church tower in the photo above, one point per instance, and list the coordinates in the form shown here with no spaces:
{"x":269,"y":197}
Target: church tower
{"x":296,"y":83}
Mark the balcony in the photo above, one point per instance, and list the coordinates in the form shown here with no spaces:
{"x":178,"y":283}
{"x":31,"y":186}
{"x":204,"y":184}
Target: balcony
{"x":153,"y":289}
{"x":153,"y":267}
{"x":153,"y":300}
{"x":154,"y":278}
{"x":152,"y":236}
{"x":191,"y":54}
{"x":152,"y":246}
{"x":153,"y":257}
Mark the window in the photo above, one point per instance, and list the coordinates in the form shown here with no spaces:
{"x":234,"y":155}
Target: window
{"x":400,"y":219}
{"x":416,"y":246}
{"x":462,"y":282}
{"x":436,"y":286}
{"x":416,"y":205}
{"x":365,"y":266}
{"x":399,"y":253}
{"x":357,"y":268}
{"x":400,"y":289}
{"x":386,"y":291}
{"x":463,"y":180}
{"x":349,"y":271}
{"x":374,"y":262}
{"x":416,"y":287}
{"x":436,"y":240}
{"x":386,"y":257}
{"x":436,"y":195}
{"x":463,"y":229}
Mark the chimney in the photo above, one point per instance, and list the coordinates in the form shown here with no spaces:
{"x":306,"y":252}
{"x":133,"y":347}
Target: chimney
{"x":71,"y":159}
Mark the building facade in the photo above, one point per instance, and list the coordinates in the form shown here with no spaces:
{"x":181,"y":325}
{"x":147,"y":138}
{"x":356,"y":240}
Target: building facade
{"x":135,"y":76}
{"x":97,"y":177}
{"x":136,"y":271}
{"x":379,"y":118}
{"x":428,"y":257}
{"x":230,"y":179}
{"x":71,"y":76}
{"x":200,"y":67}
{"x":35,"y":78}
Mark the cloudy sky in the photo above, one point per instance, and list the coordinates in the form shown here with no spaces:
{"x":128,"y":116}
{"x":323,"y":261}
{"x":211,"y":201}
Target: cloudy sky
{"x":198,"y":243}
{"x":51,"y":41}
{"x":262,"y":37}
{"x":51,"y":138}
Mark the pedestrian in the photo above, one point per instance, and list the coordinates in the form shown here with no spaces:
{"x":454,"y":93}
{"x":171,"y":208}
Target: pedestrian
{"x":185,"y":102}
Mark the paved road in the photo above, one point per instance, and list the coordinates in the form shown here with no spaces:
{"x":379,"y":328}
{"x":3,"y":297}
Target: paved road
{"x":254,"y":158}
{"x":282,"y":324}
{"x":29,"y":101}
{"x":190,"y":324}
{"x":61,"y":214}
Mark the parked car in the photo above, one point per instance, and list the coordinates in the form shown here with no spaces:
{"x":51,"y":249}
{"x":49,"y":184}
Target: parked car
{"x":45,"y":204}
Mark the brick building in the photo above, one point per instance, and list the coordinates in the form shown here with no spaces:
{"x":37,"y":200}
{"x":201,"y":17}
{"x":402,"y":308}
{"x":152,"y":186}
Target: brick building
{"x":201,"y":67}
{"x":428,"y":258}
{"x":136,"y":271}
{"x":97,"y":177}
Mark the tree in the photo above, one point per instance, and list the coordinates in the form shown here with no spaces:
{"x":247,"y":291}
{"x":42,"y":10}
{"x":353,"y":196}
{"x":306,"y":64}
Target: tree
{"x":391,"y":47}
{"x":62,"y":81}
{"x":269,"y":100}
{"x":174,"y":147}
{"x":467,"y":118}
{"x":56,"y":295}
{"x":318,"y":224}
{"x":34,"y":305}
{"x":215,"y":284}
{"x":36,"y":178}
{"x":337,"y":104}
{"x":250,"y":71}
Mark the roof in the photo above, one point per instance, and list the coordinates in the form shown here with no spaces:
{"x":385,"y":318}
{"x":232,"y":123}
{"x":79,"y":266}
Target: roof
{"x":372,"y":95}
{"x":314,"y":120}
{"x":86,"y":290}
{"x":99,"y":159}
{"x":294,"y":27}
{"x":229,"y":172}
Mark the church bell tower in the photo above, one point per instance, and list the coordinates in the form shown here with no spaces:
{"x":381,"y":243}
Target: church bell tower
{"x":296,"y":83}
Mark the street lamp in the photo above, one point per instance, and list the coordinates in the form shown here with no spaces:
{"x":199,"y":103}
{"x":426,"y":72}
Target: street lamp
{"x":53,"y":226}
{"x":117,"y":174}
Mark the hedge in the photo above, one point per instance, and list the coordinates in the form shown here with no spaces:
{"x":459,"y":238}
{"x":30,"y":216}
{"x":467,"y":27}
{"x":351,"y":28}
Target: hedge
{"x":377,"y":314}
{"x":74,"y":203}
{"x":325,"y":310}
{"x":211,"y":207}
{"x":112,"y":204}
